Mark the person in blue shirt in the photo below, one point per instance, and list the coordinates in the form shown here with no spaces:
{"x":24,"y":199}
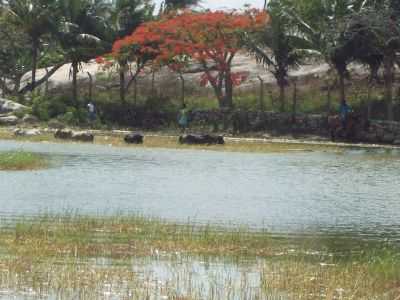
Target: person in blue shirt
{"x":344,"y":110}
{"x":183,"y":118}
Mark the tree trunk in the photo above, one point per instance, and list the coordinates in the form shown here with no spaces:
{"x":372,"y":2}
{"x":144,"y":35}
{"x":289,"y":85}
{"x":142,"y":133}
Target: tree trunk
{"x":342,"y":88}
{"x":90,"y":86}
{"x":35,"y":46}
{"x":388,"y":75}
{"x":294,"y":107}
{"x":3,"y":90}
{"x":153,"y":75}
{"x":228,"y":99}
{"x":369,"y":104}
{"x":261,"y":103}
{"x":46,"y":86}
{"x":122,"y":84}
{"x":329,"y":99}
{"x":75,"y":83}
{"x":135,"y":92}
{"x":29,"y":86}
{"x":282,"y":96}
{"x":182,"y":88}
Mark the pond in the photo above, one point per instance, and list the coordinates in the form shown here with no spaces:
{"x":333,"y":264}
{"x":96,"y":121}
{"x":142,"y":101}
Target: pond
{"x":353,"y":191}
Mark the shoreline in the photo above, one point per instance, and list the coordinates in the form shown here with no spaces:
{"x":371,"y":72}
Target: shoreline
{"x":254,"y":142}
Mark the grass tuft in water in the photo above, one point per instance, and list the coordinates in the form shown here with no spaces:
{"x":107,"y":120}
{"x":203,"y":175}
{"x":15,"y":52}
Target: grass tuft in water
{"x":21,"y":160}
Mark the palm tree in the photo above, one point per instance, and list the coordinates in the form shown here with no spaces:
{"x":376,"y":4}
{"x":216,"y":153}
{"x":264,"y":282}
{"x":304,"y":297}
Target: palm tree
{"x":278,"y":49}
{"x":320,"y":23}
{"x":179,"y":4}
{"x":35,"y":18}
{"x":81,"y":34}
{"x":126,"y":16}
{"x":14,"y":57}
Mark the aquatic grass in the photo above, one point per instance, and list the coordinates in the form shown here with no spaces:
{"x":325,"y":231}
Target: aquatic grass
{"x":354,"y":279}
{"x":94,"y":255}
{"x":21,"y":160}
{"x":116,"y":237}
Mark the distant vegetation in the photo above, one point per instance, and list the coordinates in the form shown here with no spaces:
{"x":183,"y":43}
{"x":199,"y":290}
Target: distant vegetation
{"x":128,"y":38}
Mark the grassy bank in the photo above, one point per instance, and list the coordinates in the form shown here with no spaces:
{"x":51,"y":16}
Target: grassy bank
{"x":89,"y":256}
{"x":21,"y":160}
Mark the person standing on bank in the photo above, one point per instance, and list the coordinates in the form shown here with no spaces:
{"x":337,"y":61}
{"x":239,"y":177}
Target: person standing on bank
{"x":183,"y":118}
{"x":344,"y":110}
{"x":91,"y":112}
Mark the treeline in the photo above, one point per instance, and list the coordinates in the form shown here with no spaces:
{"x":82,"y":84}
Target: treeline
{"x":131,"y":35}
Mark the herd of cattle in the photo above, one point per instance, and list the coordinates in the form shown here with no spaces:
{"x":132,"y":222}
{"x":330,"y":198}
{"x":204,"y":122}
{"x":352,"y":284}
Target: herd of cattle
{"x":137,"y":138}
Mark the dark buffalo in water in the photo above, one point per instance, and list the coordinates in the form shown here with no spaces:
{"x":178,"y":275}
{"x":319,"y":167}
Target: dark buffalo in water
{"x":201,"y":139}
{"x":133,"y":138}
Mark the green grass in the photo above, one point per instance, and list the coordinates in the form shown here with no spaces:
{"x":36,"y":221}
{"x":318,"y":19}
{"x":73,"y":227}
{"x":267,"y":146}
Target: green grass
{"x":21,"y":160}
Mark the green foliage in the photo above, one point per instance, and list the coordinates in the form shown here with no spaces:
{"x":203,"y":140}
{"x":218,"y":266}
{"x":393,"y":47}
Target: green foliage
{"x":46,"y":108}
{"x":179,"y":4}
{"x":15,"y":58}
{"x":127,"y":15}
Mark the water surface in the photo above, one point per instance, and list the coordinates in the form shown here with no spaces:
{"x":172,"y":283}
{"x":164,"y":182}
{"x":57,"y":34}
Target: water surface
{"x":355,"y":191}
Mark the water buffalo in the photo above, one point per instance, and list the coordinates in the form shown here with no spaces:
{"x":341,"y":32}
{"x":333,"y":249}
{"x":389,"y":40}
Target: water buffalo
{"x":63,"y":134}
{"x":202,"y":139}
{"x":133,"y":138}
{"x":83,"y":136}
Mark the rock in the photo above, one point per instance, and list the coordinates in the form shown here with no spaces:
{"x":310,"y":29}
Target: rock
{"x":206,"y":139}
{"x":83,"y":136}
{"x":63,"y":134}
{"x":133,"y":138}
{"x":7,"y":106}
{"x":30,"y":119}
{"x":26,"y":132}
{"x":55,"y":124}
{"x":9,"y":120}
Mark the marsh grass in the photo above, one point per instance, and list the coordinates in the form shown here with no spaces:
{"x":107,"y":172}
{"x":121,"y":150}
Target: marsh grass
{"x":21,"y":160}
{"x":93,"y":256}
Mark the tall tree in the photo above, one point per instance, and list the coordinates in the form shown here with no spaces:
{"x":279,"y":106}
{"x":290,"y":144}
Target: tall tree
{"x":210,"y":39}
{"x":278,"y":48}
{"x":126,"y":16}
{"x":81,"y":34}
{"x":35,"y":18}
{"x":372,"y":37}
{"x":321,"y":22}
{"x":15,"y":58}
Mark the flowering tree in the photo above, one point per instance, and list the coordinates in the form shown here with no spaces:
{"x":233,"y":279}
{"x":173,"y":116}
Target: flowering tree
{"x":210,"y":39}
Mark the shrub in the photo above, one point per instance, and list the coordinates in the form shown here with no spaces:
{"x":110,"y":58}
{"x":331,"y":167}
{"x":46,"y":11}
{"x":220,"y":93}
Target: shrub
{"x":46,"y":108}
